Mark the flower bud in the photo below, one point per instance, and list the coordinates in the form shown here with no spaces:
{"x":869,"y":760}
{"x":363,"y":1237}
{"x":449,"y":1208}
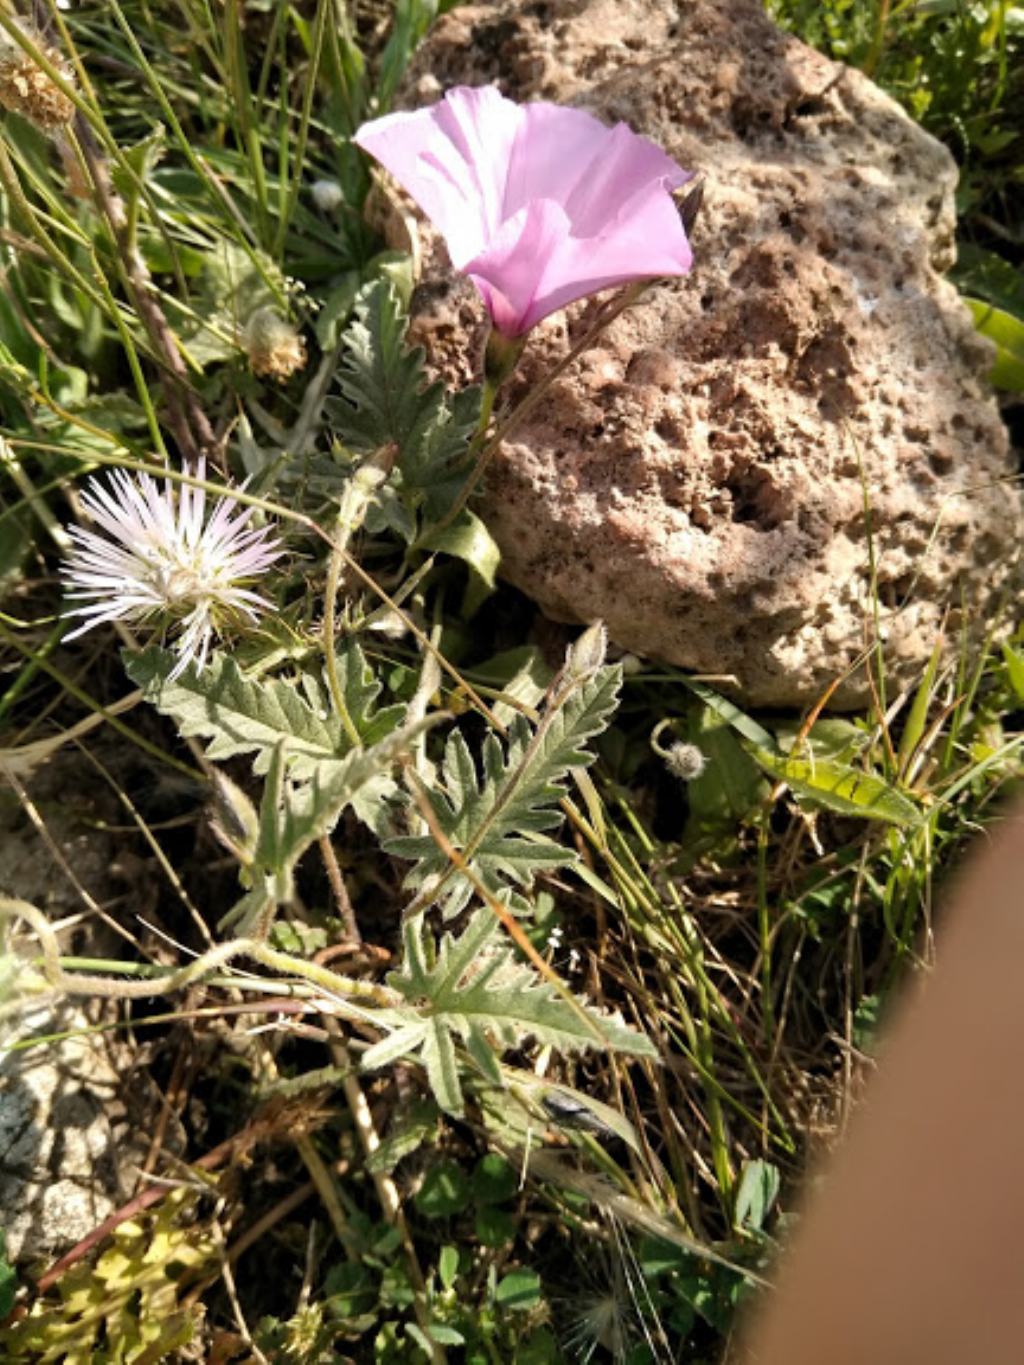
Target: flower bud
{"x":27,"y":89}
{"x":274,"y":346}
{"x":587,"y":652}
{"x":686,"y":761}
{"x":327,"y":195}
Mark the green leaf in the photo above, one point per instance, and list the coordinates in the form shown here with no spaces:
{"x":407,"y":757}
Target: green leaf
{"x":476,"y":990}
{"x":757,"y":1191}
{"x":336,"y":310}
{"x":242,"y":715}
{"x":498,"y":820}
{"x":1007,"y":331}
{"x":8,"y":1279}
{"x":381,"y":379}
{"x":494,"y":1180}
{"x":522,"y":675}
{"x":236,"y":283}
{"x":141,"y":160}
{"x":1014,"y":670}
{"x":406,"y":1135}
{"x":350,"y":1290}
{"x":469,"y":540}
{"x":731,"y":785}
{"x":238,"y":715}
{"x":444,"y":1335}
{"x":832,"y":737}
{"x":571,"y":1109}
{"x":838,"y":787}
{"x":411,"y":20}
{"x":914,"y":726}
{"x":729,"y":712}
{"x":519,"y":1290}
{"x":494,"y":1227}
{"x":448,"y":1265}
{"x":444,"y":1192}
{"x":866,"y":1018}
{"x":293,"y":816}
{"x":986,"y":275}
{"x":390,"y":401}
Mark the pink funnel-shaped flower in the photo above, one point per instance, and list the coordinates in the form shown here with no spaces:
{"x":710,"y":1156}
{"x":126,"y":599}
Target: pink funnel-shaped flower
{"x":539,"y":205}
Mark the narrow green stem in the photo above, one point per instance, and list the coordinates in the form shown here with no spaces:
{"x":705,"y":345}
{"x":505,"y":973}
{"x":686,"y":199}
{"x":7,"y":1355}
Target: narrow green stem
{"x":764,"y":929}
{"x":335,"y":560}
{"x":312,"y":77}
{"x":132,"y":356}
{"x":145,"y":980}
{"x":519,"y":414}
{"x":355,"y":503}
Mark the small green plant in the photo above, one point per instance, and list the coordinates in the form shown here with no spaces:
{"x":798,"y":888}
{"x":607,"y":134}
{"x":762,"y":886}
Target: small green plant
{"x":125,"y":1308}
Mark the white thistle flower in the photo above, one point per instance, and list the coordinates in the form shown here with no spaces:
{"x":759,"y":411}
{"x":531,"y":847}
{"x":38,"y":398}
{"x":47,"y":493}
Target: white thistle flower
{"x":162,"y":556}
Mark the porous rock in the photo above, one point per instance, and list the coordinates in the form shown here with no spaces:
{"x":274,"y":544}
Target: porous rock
{"x":76,"y":1114}
{"x":750,"y":457}
{"x":59,"y":1173}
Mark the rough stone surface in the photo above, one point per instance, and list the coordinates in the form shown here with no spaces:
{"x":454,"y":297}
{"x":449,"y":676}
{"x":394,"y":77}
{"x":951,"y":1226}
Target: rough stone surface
{"x":60,"y":1160}
{"x":699,"y":479}
{"x":75,"y":1118}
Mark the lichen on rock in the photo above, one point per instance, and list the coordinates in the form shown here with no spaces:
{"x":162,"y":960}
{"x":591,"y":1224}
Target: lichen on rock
{"x":751,"y":457}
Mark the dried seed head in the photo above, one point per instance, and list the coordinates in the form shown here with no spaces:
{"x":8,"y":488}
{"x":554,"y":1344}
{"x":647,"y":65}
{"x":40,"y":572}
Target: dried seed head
{"x":27,"y":89}
{"x":685,"y":761}
{"x":274,"y":346}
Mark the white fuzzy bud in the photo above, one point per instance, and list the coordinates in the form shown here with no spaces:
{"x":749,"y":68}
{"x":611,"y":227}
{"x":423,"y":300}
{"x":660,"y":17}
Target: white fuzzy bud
{"x":327,"y":195}
{"x":685,"y":761}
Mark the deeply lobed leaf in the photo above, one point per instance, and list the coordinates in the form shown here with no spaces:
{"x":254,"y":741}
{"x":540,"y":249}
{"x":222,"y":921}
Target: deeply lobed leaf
{"x":242,"y":715}
{"x":476,"y":991}
{"x":499,"y":820}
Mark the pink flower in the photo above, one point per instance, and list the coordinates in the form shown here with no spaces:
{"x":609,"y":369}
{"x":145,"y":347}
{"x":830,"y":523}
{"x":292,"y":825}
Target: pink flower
{"x":539,"y":205}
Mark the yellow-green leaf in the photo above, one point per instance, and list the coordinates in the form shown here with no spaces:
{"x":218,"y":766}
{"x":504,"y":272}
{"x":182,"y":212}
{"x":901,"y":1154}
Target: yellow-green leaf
{"x":1007,"y":332}
{"x":846,"y":790}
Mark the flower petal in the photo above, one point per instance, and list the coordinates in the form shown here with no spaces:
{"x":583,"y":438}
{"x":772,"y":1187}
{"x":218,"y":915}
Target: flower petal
{"x":510,"y":271}
{"x":453,"y":159}
{"x":646,"y":241}
{"x":571,"y":157}
{"x":540,"y":205}
{"x":165,"y":553}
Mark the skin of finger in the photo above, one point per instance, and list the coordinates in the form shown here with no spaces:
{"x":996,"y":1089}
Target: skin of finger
{"x":909,"y":1247}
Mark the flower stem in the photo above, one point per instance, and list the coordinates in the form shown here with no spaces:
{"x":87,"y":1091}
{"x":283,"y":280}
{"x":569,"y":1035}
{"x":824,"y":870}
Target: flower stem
{"x":151,"y":980}
{"x":354,"y":505}
{"x":504,"y":428}
{"x":334,"y":562}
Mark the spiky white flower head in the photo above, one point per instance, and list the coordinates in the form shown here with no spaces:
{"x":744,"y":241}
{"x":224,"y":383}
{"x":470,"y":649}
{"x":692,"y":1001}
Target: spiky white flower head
{"x":327,"y":195}
{"x":163,"y":557}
